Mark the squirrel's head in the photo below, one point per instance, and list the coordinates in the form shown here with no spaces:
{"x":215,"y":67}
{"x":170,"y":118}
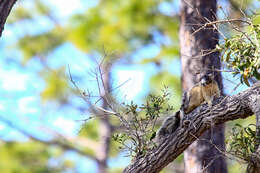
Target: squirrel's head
{"x":207,"y":79}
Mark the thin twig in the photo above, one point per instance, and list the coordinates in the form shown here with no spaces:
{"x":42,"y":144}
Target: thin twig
{"x":219,"y":21}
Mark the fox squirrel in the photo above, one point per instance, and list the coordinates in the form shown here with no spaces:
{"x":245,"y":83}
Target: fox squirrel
{"x":205,"y":90}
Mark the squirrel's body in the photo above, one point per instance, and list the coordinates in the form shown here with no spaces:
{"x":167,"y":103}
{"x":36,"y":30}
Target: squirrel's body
{"x":204,"y":91}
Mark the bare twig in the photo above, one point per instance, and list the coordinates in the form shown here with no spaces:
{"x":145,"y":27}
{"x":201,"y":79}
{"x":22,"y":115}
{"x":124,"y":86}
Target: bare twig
{"x":210,"y":23}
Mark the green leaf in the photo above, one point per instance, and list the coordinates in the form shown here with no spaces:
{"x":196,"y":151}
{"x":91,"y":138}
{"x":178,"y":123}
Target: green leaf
{"x":246,"y":80}
{"x":228,"y":56}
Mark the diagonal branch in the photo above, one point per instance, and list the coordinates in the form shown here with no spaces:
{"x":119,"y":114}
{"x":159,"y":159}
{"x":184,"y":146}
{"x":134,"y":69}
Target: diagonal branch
{"x":225,"y":109}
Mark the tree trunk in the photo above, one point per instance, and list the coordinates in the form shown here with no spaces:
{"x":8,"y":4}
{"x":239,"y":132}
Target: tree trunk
{"x":201,"y":156}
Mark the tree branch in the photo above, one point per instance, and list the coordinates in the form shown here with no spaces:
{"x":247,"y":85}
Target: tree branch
{"x":5,"y":8}
{"x":77,"y":144}
{"x":225,"y":109}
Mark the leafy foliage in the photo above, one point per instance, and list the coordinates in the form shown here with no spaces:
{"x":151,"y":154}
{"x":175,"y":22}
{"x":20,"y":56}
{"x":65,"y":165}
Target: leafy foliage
{"x":140,"y":131}
{"x":46,"y":42}
{"x":242,"y":53}
{"x":242,"y":142}
{"x":123,"y":27}
{"x":57,"y":85}
{"x":30,"y":11}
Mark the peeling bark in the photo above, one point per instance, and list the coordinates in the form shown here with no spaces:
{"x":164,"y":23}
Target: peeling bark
{"x":201,"y":119}
{"x":5,"y":8}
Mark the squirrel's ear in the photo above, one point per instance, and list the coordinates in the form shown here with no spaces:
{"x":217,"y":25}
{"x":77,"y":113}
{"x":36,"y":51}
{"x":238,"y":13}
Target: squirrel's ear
{"x":212,"y":75}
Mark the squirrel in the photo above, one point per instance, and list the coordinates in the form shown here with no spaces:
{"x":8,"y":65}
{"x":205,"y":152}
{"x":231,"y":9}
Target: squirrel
{"x":203,"y":91}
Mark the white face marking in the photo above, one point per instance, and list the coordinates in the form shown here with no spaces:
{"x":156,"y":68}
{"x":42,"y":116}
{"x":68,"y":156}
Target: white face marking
{"x":203,"y":81}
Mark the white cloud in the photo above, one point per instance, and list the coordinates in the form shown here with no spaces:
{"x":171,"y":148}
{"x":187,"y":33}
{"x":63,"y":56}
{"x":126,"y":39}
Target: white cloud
{"x":25,"y":105}
{"x":68,"y":126}
{"x":66,"y":7}
{"x":13,"y":80}
{"x":2,"y":127}
{"x":7,"y":33}
{"x":134,"y":83}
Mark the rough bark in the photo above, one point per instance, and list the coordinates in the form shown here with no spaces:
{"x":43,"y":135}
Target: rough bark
{"x":201,"y":119}
{"x":5,"y":8}
{"x":194,"y":45}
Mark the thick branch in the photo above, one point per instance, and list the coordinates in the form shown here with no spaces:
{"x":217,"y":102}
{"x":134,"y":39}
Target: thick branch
{"x":225,"y":109}
{"x":5,"y":8}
